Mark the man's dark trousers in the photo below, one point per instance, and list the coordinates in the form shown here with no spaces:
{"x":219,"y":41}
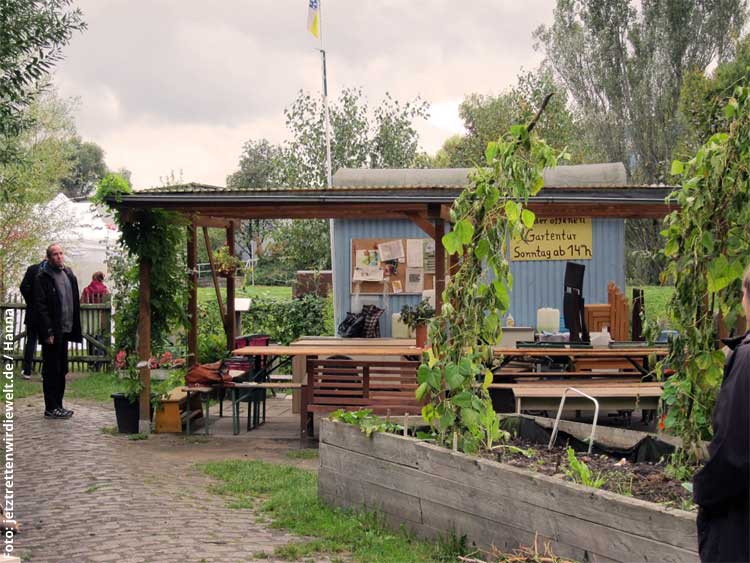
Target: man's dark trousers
{"x":54,"y":369}
{"x":29,"y":350}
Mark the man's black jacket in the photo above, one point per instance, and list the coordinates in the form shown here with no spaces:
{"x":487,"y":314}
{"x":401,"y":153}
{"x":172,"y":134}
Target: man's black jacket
{"x":48,"y":307}
{"x":27,"y":290}
{"x":721,"y":488}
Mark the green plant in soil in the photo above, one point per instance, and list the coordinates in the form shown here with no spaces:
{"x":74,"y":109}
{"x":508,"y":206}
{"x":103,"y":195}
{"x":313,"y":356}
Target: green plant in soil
{"x":708,"y":248}
{"x":579,"y":472}
{"x":485,"y":217}
{"x":418,"y":314}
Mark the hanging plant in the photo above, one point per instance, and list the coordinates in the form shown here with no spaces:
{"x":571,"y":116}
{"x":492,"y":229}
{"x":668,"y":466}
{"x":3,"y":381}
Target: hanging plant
{"x":226,"y":264}
{"x":708,"y":248}
{"x":485,"y":217}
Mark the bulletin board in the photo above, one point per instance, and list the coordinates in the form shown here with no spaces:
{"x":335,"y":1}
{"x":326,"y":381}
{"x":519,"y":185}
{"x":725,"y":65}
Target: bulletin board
{"x":390,"y":280}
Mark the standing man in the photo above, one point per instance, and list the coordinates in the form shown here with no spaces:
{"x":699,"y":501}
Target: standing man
{"x":58,"y":322}
{"x":721,"y":488}
{"x":27,"y":290}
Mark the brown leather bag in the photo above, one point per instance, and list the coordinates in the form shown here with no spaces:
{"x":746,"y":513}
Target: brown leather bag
{"x":207,"y":374}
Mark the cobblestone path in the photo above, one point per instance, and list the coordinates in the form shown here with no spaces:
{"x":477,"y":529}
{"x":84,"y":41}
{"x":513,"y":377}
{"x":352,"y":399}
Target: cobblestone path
{"x":83,"y":495}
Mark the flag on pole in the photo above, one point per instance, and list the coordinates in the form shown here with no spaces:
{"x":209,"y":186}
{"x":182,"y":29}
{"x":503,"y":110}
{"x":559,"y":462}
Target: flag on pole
{"x":313,"y":18}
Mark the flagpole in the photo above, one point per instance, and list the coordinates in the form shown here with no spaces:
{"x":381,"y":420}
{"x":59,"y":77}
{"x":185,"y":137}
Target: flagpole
{"x":325,"y":96}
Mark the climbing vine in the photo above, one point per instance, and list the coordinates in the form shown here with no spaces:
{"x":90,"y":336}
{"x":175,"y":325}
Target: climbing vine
{"x":155,"y":235}
{"x":456,"y":373}
{"x":708,"y":247}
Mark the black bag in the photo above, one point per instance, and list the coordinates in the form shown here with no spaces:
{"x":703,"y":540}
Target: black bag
{"x":352,"y":326}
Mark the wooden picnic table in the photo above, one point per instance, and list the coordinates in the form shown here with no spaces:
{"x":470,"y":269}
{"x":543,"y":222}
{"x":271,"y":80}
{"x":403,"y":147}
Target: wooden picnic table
{"x":329,"y":350}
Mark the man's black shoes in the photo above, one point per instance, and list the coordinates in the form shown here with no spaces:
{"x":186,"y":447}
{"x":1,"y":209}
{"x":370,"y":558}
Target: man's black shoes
{"x":58,"y":413}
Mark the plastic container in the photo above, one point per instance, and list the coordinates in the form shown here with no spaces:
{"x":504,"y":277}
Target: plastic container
{"x":548,"y":320}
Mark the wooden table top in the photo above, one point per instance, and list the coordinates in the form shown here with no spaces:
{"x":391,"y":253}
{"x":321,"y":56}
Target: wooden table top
{"x":635,"y":352}
{"x":339,"y":341}
{"x":328,"y":350}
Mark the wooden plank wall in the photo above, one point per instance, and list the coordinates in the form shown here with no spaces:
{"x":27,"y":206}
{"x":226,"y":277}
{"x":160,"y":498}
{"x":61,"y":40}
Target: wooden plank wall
{"x":94,"y":353}
{"x":432,"y":491}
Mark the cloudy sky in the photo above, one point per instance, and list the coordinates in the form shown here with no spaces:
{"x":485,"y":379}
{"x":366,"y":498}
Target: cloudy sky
{"x":180,"y":85}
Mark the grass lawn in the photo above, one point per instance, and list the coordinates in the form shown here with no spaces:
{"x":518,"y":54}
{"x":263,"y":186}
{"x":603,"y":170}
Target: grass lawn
{"x":94,"y":387}
{"x":289,"y":497}
{"x":270,"y":291}
{"x":656,"y":299}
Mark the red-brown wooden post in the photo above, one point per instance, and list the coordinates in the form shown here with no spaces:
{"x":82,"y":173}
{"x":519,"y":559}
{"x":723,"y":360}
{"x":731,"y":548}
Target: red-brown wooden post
{"x":231,"y":323}
{"x":439,"y":264}
{"x":192,"y":261}
{"x":144,"y":341}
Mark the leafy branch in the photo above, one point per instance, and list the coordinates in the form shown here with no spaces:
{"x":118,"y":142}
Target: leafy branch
{"x":485,"y":217}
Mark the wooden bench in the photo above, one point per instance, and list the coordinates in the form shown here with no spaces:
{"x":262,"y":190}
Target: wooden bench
{"x":546,"y":395}
{"x":385,"y":386}
{"x":175,"y":412}
{"x":203,"y":394}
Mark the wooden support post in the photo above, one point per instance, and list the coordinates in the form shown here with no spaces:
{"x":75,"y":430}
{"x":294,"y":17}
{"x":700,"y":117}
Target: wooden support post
{"x":192,"y":260}
{"x":144,"y":338}
{"x":213,"y":276}
{"x":230,"y":325}
{"x":439,"y":264}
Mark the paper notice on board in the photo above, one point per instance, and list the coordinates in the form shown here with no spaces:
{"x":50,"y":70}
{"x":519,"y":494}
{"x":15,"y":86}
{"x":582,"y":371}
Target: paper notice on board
{"x":391,"y":250}
{"x":368,"y":274}
{"x":414,"y":253}
{"x":367,"y":259}
{"x":396,"y":286}
{"x":414,"y":280}
{"x":428,"y":250}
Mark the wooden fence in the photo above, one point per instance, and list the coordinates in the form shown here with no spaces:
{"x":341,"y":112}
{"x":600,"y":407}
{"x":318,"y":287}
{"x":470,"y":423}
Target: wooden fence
{"x":93,"y":354}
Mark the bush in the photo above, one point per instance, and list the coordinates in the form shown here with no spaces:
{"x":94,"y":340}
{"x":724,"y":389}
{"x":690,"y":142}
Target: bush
{"x":212,"y":342}
{"x":285,"y":321}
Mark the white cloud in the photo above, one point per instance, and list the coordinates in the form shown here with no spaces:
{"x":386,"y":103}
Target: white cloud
{"x":182,"y":84}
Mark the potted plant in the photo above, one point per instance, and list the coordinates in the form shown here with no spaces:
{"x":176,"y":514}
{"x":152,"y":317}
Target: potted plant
{"x":225,"y":263}
{"x":416,"y":318}
{"x":127,"y":409}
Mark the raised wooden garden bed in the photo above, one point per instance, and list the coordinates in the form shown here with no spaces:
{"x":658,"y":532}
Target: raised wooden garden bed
{"x":433,"y":491}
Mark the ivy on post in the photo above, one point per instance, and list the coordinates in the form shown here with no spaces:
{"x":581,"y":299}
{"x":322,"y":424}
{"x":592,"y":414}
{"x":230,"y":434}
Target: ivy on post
{"x":708,"y":248}
{"x":456,"y":372}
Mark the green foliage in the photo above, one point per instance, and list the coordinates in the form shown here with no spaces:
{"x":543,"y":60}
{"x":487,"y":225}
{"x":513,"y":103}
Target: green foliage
{"x":367,"y":422}
{"x":32,"y":36}
{"x":707,"y":253}
{"x":703,"y":99}
{"x":485,"y":217}
{"x":290,"y":497}
{"x":87,"y":168}
{"x":212,"y":340}
{"x":487,"y":117}
{"x":418,"y":314}
{"x":157,"y":237}
{"x":286,"y":321}
{"x":302,"y":244}
{"x":226,"y":264}
{"x":623,"y":65}
{"x":579,"y":472}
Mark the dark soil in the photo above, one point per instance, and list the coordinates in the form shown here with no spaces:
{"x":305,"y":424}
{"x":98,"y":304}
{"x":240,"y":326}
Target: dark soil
{"x":646,"y":481}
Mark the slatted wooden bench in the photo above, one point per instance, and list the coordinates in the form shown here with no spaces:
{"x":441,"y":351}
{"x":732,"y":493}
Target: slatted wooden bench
{"x":385,"y":386}
{"x":614,"y":395}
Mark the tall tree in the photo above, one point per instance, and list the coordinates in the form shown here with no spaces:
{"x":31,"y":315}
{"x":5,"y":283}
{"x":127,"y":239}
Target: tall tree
{"x":87,"y":168}
{"x":624,"y":68}
{"x":27,"y":220}
{"x":383,"y":137}
{"x":486,"y":117}
{"x":32,"y":35}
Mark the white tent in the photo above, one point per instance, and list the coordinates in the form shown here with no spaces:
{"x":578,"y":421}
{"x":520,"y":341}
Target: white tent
{"x":86,"y":238}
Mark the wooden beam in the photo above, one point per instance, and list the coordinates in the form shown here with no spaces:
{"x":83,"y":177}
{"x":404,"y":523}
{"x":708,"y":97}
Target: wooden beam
{"x":439,"y":264}
{"x":192,"y":261}
{"x":210,"y":253}
{"x":230,"y":326}
{"x":144,"y":337}
{"x":214,"y":222}
{"x":423,"y":223}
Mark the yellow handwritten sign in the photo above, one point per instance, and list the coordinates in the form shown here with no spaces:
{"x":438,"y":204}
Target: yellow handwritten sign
{"x":555,"y":238}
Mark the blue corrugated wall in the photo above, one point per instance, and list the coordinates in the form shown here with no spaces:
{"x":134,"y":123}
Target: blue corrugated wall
{"x":535,"y":284}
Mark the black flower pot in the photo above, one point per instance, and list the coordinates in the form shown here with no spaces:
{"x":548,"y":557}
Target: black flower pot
{"x":127,"y":414}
